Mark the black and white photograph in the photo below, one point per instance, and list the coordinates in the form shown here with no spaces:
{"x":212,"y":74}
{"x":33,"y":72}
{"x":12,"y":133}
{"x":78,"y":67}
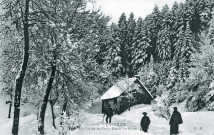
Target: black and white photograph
{"x":106,"y":67}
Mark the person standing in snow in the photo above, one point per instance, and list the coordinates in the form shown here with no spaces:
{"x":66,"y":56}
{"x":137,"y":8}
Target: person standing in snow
{"x":174,"y":122}
{"x":108,"y":113}
{"x":144,"y":123}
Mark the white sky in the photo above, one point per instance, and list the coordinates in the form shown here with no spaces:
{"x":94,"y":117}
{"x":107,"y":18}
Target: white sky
{"x":140,"y":8}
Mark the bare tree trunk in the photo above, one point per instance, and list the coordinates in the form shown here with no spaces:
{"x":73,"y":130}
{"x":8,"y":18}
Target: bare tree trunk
{"x":53,"y":116}
{"x":21,"y":74}
{"x":11,"y":100}
{"x":45,"y":100}
{"x":63,"y":110}
{"x":38,"y":113}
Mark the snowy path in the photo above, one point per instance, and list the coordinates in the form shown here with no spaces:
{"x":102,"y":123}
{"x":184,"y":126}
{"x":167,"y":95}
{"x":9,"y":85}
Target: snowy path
{"x":124,"y":124}
{"x":195,"y":123}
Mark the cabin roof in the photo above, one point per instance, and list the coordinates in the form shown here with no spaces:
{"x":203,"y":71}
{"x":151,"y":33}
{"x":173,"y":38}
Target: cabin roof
{"x":118,"y":88}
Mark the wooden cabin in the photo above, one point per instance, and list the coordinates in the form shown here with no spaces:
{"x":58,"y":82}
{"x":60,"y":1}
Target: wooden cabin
{"x":124,"y":94}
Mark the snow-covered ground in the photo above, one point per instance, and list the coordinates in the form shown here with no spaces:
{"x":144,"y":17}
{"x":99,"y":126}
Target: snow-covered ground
{"x":28,"y":125}
{"x":195,"y":123}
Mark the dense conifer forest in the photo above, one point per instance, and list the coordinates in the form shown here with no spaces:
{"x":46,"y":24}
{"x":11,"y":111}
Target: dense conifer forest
{"x":171,"y":49}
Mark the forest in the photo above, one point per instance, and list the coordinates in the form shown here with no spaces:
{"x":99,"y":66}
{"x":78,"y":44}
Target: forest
{"x":61,"y":53}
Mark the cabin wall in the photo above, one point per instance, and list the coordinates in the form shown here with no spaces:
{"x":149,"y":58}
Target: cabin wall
{"x":146,"y":97}
{"x":137,"y":95}
{"x":114,"y":104}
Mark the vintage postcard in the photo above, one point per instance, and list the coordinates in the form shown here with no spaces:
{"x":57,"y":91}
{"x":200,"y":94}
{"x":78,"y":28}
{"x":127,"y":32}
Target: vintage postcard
{"x":106,"y":67}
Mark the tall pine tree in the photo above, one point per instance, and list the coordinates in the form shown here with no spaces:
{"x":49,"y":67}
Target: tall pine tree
{"x":131,"y":24}
{"x":122,"y":35}
{"x":153,"y":22}
{"x":164,"y":45}
{"x":113,"y":58}
{"x":184,"y":49}
{"x":141,"y":48}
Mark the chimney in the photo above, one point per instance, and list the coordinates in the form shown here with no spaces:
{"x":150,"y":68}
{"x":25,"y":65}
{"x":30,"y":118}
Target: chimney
{"x":137,"y":76}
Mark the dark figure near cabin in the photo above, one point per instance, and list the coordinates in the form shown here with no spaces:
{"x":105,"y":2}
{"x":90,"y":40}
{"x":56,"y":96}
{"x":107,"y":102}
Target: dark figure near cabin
{"x":144,"y":123}
{"x":174,"y":122}
{"x":108,"y":113}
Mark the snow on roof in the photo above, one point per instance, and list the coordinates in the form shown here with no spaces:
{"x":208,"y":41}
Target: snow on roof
{"x":146,"y":90}
{"x":118,"y":88}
